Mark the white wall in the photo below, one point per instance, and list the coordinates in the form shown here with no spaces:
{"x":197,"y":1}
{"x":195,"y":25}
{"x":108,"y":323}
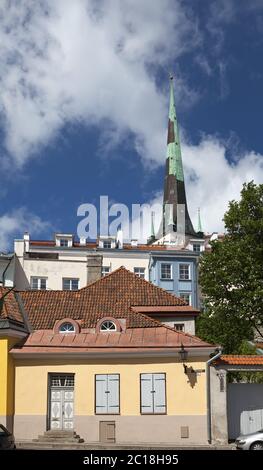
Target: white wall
{"x":189,"y":323}
{"x":116,"y":260}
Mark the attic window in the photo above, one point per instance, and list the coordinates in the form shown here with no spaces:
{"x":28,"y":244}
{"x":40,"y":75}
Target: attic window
{"x":67,"y":327}
{"x":108,"y":325}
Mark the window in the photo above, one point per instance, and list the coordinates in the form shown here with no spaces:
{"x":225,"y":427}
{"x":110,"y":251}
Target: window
{"x":70,"y":284}
{"x":153,"y":394}
{"x":62,"y":380}
{"x":140,"y":272}
{"x":196,"y":247}
{"x":186,"y":297}
{"x":105,"y":270}
{"x":38,"y":283}
{"x":179,"y":326}
{"x":108,"y":325}
{"x":67,"y":327}
{"x":184,"y":272}
{"x":107,"y":391}
{"x":166,"y":271}
{"x":107,"y":244}
{"x":63,"y":242}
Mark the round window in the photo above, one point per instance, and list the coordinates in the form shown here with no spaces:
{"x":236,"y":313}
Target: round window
{"x":67,"y":327}
{"x":108,"y":326}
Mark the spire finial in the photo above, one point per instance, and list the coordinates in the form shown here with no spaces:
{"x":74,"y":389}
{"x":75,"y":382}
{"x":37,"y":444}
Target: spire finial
{"x":199,"y":226}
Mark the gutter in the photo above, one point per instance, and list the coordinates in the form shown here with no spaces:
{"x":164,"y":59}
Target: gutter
{"x":208,"y":393}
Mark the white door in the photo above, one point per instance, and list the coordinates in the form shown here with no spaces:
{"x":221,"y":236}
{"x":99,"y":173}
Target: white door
{"x":61,"y":402}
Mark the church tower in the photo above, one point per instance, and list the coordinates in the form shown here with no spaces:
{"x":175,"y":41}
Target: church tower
{"x":174,"y":187}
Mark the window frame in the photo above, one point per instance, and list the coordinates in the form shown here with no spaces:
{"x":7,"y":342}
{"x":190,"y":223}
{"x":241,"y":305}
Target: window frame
{"x":67,"y":332}
{"x":70,"y":279}
{"x":189,"y":272}
{"x":62,"y":241}
{"x":108,"y":329}
{"x":39,"y":280}
{"x":106,"y":242}
{"x":103,"y":273}
{"x":95,"y":396}
{"x":140,"y":275}
{"x":165,"y":393}
{"x":196,"y":245}
{"x":182,"y":325}
{"x":171,"y":272}
{"x":181,"y":294}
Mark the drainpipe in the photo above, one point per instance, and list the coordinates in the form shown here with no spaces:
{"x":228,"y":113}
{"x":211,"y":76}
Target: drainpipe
{"x":208,"y":393}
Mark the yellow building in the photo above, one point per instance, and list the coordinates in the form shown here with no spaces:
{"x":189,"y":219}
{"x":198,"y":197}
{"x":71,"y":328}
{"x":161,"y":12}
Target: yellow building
{"x":94,"y":364}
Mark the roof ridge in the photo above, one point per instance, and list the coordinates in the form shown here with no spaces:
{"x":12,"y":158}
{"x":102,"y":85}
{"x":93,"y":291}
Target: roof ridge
{"x":102,"y":278}
{"x":122,"y":268}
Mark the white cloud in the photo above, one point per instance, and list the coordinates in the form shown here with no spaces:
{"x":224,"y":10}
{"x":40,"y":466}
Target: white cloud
{"x":90,"y":61}
{"x":18,"y":221}
{"x":211,"y":181}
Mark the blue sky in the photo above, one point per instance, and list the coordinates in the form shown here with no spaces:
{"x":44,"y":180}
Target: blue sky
{"x":84,"y":105}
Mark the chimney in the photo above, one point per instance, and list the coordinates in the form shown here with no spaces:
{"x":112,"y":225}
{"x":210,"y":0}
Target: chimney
{"x":82,"y":241}
{"x":26,"y":242}
{"x":94,"y":268}
{"x":119,"y":239}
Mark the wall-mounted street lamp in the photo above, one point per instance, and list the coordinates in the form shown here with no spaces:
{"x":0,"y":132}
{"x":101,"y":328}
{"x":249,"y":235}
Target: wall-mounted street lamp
{"x":183,"y":356}
{"x":183,"y":353}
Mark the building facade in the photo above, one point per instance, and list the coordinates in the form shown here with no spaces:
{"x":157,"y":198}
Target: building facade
{"x":81,"y":354}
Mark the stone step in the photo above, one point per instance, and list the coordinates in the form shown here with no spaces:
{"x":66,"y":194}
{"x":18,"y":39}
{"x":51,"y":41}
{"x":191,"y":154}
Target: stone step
{"x":60,"y":433}
{"x":59,"y":440}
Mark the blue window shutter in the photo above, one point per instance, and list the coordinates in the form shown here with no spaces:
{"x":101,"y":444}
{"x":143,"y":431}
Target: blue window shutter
{"x":146,"y":393}
{"x":159,"y":399}
{"x":113,"y":395}
{"x":101,"y":396}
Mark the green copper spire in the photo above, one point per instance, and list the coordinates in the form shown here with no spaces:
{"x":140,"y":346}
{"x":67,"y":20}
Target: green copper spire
{"x":199,"y":226}
{"x":173,"y":143}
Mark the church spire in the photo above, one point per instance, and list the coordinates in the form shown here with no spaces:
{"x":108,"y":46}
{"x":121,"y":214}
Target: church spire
{"x":173,"y":141}
{"x":199,"y":224}
{"x":174,"y":187}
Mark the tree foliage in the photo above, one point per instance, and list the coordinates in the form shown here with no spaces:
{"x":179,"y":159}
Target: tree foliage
{"x":231,"y":275}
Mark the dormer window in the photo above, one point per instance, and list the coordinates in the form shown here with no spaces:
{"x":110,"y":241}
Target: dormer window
{"x":107,"y":244}
{"x":67,"y":327}
{"x":63,"y":242}
{"x":196,"y":247}
{"x":108,"y":325}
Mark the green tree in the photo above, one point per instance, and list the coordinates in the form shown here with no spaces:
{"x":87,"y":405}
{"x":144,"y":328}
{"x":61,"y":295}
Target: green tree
{"x":231,"y":275}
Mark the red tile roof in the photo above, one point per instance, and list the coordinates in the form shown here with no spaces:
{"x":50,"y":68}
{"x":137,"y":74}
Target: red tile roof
{"x":240,"y":360}
{"x":10,"y":308}
{"x":112,"y":295}
{"x":135,"y":339}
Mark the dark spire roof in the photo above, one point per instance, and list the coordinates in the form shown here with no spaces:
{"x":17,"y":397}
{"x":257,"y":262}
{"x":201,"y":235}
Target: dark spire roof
{"x":174,"y":187}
